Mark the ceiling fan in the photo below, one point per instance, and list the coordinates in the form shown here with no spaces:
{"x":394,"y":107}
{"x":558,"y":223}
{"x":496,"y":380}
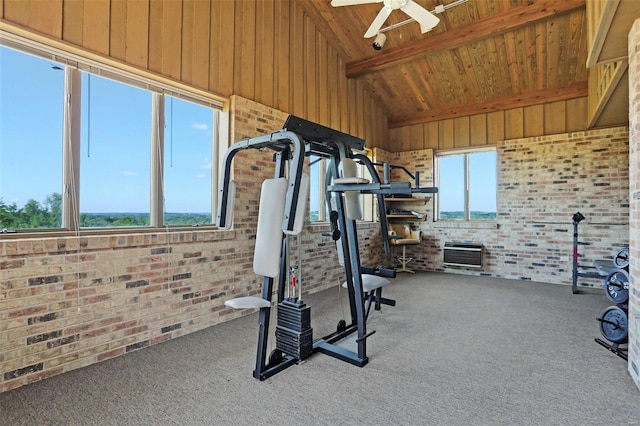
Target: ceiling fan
{"x":426,"y":19}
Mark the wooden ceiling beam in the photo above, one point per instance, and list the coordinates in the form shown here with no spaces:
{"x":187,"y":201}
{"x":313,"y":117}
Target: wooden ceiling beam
{"x":479,"y":30}
{"x":577,"y":90}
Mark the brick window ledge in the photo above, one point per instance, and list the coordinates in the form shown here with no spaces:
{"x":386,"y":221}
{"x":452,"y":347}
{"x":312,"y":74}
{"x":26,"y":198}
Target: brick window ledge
{"x":480,"y":224}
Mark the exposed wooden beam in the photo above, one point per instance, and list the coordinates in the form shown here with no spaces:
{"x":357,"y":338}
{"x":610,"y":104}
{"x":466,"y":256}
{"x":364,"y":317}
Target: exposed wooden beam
{"x":488,"y":27}
{"x":576,"y":90}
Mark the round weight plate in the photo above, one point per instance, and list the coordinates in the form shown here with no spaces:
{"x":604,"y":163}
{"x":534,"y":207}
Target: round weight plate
{"x":342,"y":326}
{"x":616,"y":286}
{"x":621,"y":259}
{"x":614,"y":325}
{"x":275,"y":357}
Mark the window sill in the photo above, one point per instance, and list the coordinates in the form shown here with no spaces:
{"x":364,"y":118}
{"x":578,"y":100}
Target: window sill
{"x":87,"y":232}
{"x":316,"y":227}
{"x":465,"y":224}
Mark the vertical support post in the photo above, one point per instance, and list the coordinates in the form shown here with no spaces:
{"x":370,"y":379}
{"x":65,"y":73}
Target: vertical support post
{"x":156,"y":208}
{"x":354,"y":283}
{"x":71,"y":150}
{"x":382,"y":209}
{"x":574,"y":275}
{"x":263,"y":333}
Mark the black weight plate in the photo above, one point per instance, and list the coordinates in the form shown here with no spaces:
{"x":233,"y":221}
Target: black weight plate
{"x":616,"y":286}
{"x":275,"y":357}
{"x":614,"y":325}
{"x":621,"y":259}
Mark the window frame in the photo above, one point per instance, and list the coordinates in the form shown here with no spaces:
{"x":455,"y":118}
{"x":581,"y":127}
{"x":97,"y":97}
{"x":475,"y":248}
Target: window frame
{"x":74,"y":65}
{"x":466,"y":153}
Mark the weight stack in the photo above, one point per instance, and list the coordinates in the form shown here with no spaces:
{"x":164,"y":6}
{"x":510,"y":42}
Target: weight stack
{"x":294,"y":335}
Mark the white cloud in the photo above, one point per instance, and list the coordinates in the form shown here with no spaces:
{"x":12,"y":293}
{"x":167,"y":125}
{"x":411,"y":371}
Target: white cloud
{"x":128,"y":173}
{"x":200,"y":176}
{"x":200,"y":126}
{"x":206,"y":163}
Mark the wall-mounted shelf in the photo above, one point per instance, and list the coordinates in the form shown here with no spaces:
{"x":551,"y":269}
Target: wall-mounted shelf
{"x":405,"y":200}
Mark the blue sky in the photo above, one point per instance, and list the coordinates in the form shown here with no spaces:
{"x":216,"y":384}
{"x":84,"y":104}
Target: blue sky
{"x":482,"y":182}
{"x":114,"y":143}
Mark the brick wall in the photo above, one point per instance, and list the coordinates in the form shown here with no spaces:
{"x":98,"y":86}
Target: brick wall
{"x":69,"y":302}
{"x":634,"y":197}
{"x":542,"y":182}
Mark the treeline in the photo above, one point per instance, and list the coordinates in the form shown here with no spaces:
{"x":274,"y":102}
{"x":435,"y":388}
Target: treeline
{"x":474,"y":215}
{"x":34,"y":215}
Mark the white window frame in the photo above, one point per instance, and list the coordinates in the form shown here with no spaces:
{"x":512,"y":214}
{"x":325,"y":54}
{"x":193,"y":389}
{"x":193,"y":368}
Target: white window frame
{"x":75,"y":63}
{"x":436,"y":166}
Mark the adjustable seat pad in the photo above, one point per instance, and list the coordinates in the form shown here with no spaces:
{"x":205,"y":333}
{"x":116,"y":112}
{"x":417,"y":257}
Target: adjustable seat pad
{"x":247,"y":302}
{"x":371,"y":282}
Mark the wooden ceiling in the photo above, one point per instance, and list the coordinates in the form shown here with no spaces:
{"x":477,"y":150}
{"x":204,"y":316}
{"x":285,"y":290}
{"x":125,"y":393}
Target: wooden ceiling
{"x":484,"y":55}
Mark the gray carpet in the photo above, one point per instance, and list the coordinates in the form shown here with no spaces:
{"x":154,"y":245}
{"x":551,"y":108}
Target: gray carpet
{"x":456,"y":350}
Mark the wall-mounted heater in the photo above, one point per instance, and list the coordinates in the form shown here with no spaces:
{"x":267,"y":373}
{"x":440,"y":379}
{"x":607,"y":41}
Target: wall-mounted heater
{"x":463,"y":254}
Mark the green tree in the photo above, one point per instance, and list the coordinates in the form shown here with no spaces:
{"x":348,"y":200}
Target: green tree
{"x":53,"y":204}
{"x":32,"y":214}
{"x":8,"y":215}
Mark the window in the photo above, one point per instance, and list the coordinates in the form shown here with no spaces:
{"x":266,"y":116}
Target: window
{"x":115,"y":161}
{"x":84,"y":144}
{"x":188,"y":141}
{"x":317,"y":198}
{"x":467,"y":185}
{"x":31,"y":112}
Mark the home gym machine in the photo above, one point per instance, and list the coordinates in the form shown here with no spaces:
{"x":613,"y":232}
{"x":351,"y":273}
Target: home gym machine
{"x":282,"y":213}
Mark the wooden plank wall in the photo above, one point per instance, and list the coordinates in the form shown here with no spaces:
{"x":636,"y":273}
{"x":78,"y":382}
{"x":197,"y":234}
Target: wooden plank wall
{"x":488,"y":128}
{"x":268,"y":51}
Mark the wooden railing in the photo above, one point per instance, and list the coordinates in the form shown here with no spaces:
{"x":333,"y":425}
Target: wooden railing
{"x":599,"y":16}
{"x":603,"y":80}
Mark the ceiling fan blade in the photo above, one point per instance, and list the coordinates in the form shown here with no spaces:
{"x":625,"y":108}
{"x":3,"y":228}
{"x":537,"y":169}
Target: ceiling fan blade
{"x":378,"y":22}
{"x":426,"y":19}
{"x":336,"y":3}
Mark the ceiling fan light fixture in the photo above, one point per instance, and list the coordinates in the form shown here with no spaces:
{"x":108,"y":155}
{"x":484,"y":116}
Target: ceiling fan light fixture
{"x":379,"y":41}
{"x":426,"y":19}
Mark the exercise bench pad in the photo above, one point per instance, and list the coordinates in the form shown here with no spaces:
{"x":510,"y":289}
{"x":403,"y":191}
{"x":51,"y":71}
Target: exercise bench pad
{"x":248,"y":302}
{"x":371,"y":282}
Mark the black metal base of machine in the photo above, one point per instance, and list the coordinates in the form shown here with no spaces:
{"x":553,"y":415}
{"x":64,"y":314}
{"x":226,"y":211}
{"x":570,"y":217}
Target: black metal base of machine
{"x":327,"y":345}
{"x":615,"y":348}
{"x":276,"y":365}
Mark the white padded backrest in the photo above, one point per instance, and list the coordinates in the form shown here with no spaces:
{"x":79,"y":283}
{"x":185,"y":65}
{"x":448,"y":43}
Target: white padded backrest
{"x":348,"y":168}
{"x":231,"y":201}
{"x":266,"y":257}
{"x":353,"y":202}
{"x":301,"y":209}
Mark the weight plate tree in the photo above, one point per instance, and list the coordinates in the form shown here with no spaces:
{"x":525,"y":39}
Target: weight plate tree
{"x":614,"y":325}
{"x":621,"y":259}
{"x":616,"y":286}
